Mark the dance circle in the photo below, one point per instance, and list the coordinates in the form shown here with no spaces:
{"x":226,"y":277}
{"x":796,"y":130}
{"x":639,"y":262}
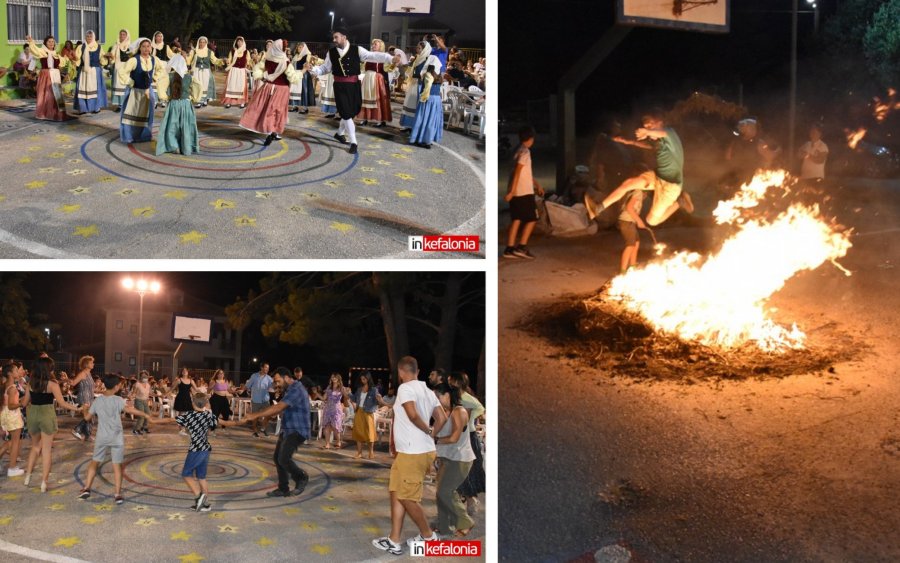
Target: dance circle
{"x":230,"y":159}
{"x":238,"y":479}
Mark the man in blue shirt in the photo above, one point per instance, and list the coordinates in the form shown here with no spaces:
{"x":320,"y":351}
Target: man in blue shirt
{"x":259,"y":396}
{"x":438,"y":48}
{"x":294,"y":410}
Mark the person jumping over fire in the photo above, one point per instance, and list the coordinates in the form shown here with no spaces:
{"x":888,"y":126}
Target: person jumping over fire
{"x":665,"y":182}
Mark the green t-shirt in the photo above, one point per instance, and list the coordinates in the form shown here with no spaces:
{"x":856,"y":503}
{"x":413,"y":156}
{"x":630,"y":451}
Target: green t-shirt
{"x":670,"y":157}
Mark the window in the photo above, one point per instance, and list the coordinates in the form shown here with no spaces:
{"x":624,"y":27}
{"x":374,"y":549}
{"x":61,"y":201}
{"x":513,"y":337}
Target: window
{"x":132,"y":361}
{"x":82,"y":16}
{"x":118,"y":356}
{"x":120,"y":324}
{"x":28,"y":17}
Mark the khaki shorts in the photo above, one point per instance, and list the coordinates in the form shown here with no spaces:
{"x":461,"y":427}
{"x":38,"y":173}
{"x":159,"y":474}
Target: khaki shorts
{"x":664,"y":195}
{"x":408,"y":473}
{"x":11,"y":419}
{"x":116,"y":453}
{"x":41,"y":419}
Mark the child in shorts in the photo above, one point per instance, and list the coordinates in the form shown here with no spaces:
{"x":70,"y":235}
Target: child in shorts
{"x":629,"y":223}
{"x":520,"y":195}
{"x":198,"y":423}
{"x":110,"y":440}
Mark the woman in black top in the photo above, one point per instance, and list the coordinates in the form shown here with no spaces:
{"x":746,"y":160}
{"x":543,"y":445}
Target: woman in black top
{"x":42,"y":417}
{"x":185,"y":387}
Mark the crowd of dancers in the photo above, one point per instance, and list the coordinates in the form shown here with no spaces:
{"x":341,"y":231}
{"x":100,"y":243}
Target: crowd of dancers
{"x":148,"y":73}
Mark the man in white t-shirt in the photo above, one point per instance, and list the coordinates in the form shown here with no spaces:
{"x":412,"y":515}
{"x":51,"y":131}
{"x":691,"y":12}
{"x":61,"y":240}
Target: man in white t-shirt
{"x":813,"y":153}
{"x":520,"y":195}
{"x":412,"y":443}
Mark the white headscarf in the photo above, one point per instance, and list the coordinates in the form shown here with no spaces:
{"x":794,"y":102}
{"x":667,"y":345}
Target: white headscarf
{"x":276,"y":55}
{"x":177,"y":64}
{"x":238,"y":52}
{"x":158,"y":46}
{"x":201,"y":53}
{"x":423,"y":55}
{"x":303,"y":53}
{"x":136,"y":44}
{"x":127,"y":43}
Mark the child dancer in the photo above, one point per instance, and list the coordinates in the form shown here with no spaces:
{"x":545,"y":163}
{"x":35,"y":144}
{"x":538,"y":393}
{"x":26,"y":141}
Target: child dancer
{"x":238,"y":66}
{"x":178,"y":130}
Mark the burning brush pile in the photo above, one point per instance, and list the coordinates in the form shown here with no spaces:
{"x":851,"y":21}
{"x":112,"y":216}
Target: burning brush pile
{"x":708,"y":315}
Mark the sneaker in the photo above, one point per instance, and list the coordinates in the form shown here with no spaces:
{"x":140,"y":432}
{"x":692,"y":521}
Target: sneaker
{"x":84,"y":494}
{"x":278,"y":493}
{"x":385,"y":544}
{"x":593,"y":208}
{"x":205,"y":508}
{"x":522,"y":252}
{"x":120,"y":499}
{"x":43,"y":486}
{"x":77,"y":434}
{"x":510,"y":252}
{"x":227,"y":106}
{"x":201,"y":500}
{"x":27,"y":480}
{"x":418,"y":537}
{"x":14,"y":472}
{"x":685,"y":202}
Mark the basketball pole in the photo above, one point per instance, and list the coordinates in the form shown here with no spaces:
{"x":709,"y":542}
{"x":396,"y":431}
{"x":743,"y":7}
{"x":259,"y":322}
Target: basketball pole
{"x":792,"y":110}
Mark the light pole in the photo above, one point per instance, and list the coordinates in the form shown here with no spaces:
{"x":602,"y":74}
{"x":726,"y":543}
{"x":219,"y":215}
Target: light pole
{"x":140,"y":287}
{"x":332,"y":20}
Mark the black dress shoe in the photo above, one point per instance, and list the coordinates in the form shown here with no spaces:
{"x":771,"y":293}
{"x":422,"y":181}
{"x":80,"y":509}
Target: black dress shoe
{"x":340,"y":138}
{"x":329,"y":115}
{"x":382,"y":124}
{"x":227,"y":106}
{"x":269,"y":140}
{"x":353,"y":148}
{"x":278,"y":493}
{"x":364,"y":122}
{"x":118,"y":109}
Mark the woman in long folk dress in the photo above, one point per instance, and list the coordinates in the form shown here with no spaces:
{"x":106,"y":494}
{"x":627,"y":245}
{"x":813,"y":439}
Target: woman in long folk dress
{"x":298,"y":60}
{"x":137,"y":78}
{"x":50,"y":103}
{"x":120,"y":54}
{"x":417,"y":69}
{"x":178,"y":129}
{"x":308,"y":92}
{"x":429,"y":124}
{"x":376,"y":101}
{"x":164,"y":53}
{"x":201,"y":61}
{"x":236,"y":85}
{"x":268,"y":110}
{"x":90,"y":88}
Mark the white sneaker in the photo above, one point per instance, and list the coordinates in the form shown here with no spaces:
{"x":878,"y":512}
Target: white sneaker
{"x":14,"y":472}
{"x":418,"y":537}
{"x":27,"y":480}
{"x":385,"y":544}
{"x":43,"y":486}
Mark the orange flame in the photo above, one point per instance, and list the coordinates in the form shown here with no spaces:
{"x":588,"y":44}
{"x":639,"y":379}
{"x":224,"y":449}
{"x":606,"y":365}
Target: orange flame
{"x":854,"y":137}
{"x":884,"y":107}
{"x":720,"y":300}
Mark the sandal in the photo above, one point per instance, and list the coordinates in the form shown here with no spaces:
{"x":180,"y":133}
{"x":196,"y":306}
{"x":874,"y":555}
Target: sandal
{"x":463,"y":533}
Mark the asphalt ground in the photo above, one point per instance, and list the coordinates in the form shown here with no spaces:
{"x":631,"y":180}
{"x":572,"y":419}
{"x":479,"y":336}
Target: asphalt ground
{"x":345,"y":505}
{"x":73,"y":190}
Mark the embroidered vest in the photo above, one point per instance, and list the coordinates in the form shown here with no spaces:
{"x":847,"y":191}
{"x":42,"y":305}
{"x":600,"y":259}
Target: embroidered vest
{"x":377,"y":67}
{"x":282,"y":79}
{"x":161,"y":54}
{"x":346,"y":66}
{"x":142,"y":78}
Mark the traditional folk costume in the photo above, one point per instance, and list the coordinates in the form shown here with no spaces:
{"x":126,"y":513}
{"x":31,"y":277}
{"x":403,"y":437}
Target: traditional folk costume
{"x":137,"y":77}
{"x":121,"y":54}
{"x":297,"y":89}
{"x":268,"y":110}
{"x":329,"y":106}
{"x":178,"y":129}
{"x":308,"y":95}
{"x":416,"y":70}
{"x":164,"y":53}
{"x":376,"y":100}
{"x":429,"y":124}
{"x":50,"y":103}
{"x":236,"y":85}
{"x":201,"y":61}
{"x":344,"y":64}
{"x":90,"y":88}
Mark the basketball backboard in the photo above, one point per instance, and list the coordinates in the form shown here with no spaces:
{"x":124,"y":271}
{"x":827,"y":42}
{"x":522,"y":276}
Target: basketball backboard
{"x":191,"y":329}
{"x":407,"y":7}
{"x":689,"y":15}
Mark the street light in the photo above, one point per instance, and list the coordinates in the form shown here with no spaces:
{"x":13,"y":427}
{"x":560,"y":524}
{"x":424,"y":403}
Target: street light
{"x":332,"y":20}
{"x":141,"y":287}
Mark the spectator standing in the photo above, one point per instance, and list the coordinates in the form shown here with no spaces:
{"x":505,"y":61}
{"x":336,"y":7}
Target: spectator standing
{"x":813,"y":155}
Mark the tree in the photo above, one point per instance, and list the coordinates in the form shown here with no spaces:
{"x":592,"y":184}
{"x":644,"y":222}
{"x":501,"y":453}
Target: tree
{"x":184,"y":18}
{"x":16,"y":329}
{"x":881,"y":43}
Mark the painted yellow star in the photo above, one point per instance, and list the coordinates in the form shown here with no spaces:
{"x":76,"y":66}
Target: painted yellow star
{"x":56,"y":506}
{"x":103,"y":507}
{"x":126,"y":192}
{"x":193,"y":237}
{"x":176,"y":194}
{"x":92,"y":519}
{"x":399,"y":156}
{"x":24,"y":160}
{"x":290,"y":511}
{"x":263,"y":195}
{"x":57,"y":492}
{"x":221,"y":204}
{"x":259,"y":519}
{"x":321,"y":549}
{"x":384,"y":163}
{"x":78,"y":190}
{"x":182,"y":535}
{"x":139,"y":508}
{"x":404,"y":176}
{"x":228,"y":529}
{"x":405,"y":194}
{"x":4,"y":520}
{"x":77,"y":172}
{"x":369,"y":153}
{"x":71,"y":541}
{"x":245,"y":221}
{"x":107,"y":179}
{"x":143,"y":212}
{"x":33,"y":185}
{"x":63,"y":138}
{"x":364,"y":513}
{"x":333,"y":183}
{"x":34,"y":149}
{"x":369,"y":181}
{"x":191,"y":557}
{"x":9,"y":496}
{"x":34,"y":138}
{"x":309,"y":526}
{"x":372,"y":530}
{"x":60,"y":155}
{"x":342,"y":227}
{"x":48,"y":170}
{"x":406,"y":149}
{"x":86,"y":232}
{"x":331,"y":509}
{"x":298,"y":209}
{"x":146,"y":522}
{"x":217,"y":515}
{"x":373,"y":147}
{"x":176,"y":516}
{"x":74,"y":161}
{"x":367,"y":169}
{"x":65,"y":146}
{"x":70,"y":208}
{"x":265,"y":542}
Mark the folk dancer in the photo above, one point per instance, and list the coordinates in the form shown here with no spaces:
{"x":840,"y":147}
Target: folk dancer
{"x":376,"y":100}
{"x":236,"y":86}
{"x":417,"y":69}
{"x":50,"y":103}
{"x":119,"y":54}
{"x":137,"y":77}
{"x":268,"y":110}
{"x":178,"y":129}
{"x":164,"y":53}
{"x":90,"y":88}
{"x":201,"y":61}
